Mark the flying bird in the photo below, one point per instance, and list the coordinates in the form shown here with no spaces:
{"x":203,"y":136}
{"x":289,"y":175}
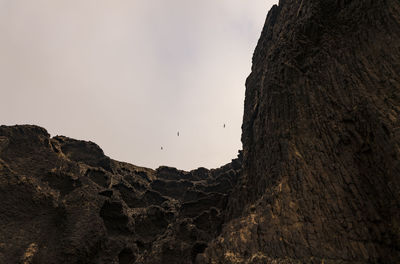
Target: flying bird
{"x":161,"y":148}
{"x":178,"y":133}
{"x":224,"y":125}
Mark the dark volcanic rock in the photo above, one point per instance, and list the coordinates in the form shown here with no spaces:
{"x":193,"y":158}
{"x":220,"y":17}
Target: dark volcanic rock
{"x":63,"y":201}
{"x":317,"y":181}
{"x":321,"y":156}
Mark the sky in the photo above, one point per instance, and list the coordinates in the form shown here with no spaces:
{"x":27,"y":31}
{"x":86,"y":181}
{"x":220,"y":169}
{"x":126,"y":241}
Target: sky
{"x":128,"y":75}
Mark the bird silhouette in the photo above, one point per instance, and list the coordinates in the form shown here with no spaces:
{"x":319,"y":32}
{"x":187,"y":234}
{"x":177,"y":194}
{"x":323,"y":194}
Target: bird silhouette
{"x":178,"y":133}
{"x":224,"y":125}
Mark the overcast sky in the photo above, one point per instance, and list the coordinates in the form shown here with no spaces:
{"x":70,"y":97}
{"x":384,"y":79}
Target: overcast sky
{"x":128,"y":75}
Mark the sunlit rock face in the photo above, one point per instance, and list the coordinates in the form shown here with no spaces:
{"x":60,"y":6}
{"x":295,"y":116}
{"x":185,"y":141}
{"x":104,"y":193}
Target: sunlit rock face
{"x":321,"y":138}
{"x":318,"y":180}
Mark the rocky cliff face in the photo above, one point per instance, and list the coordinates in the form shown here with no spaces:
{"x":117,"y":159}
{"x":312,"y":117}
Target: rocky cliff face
{"x":318,"y":181}
{"x":321,"y":139}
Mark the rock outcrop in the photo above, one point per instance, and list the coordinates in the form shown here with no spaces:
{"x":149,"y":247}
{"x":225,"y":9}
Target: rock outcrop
{"x":64,"y":201}
{"x":318,"y":180}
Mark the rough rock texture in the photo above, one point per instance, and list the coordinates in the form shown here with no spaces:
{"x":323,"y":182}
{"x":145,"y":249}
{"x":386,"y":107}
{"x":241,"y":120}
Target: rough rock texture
{"x":319,"y":180}
{"x":321,"y":139}
{"x":63,"y":201}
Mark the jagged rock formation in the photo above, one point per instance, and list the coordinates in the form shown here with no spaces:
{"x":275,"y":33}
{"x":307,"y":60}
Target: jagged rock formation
{"x":319,"y":180}
{"x":63,"y":201}
{"x":321,"y":139}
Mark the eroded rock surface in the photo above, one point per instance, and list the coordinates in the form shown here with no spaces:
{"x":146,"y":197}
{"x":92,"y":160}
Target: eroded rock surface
{"x":64,"y":201}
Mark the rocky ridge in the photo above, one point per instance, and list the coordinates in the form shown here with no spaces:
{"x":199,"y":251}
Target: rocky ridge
{"x":64,"y":201}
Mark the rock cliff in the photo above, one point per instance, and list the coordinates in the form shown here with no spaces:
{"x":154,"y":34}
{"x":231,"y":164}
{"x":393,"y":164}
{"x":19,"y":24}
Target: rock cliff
{"x":321,"y":139}
{"x":318,"y":180}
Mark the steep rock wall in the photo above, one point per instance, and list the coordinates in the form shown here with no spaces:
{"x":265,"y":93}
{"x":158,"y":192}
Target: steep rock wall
{"x":321,"y":139}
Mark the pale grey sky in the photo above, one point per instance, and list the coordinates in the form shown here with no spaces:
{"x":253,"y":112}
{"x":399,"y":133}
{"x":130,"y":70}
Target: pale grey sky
{"x":128,"y":75}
